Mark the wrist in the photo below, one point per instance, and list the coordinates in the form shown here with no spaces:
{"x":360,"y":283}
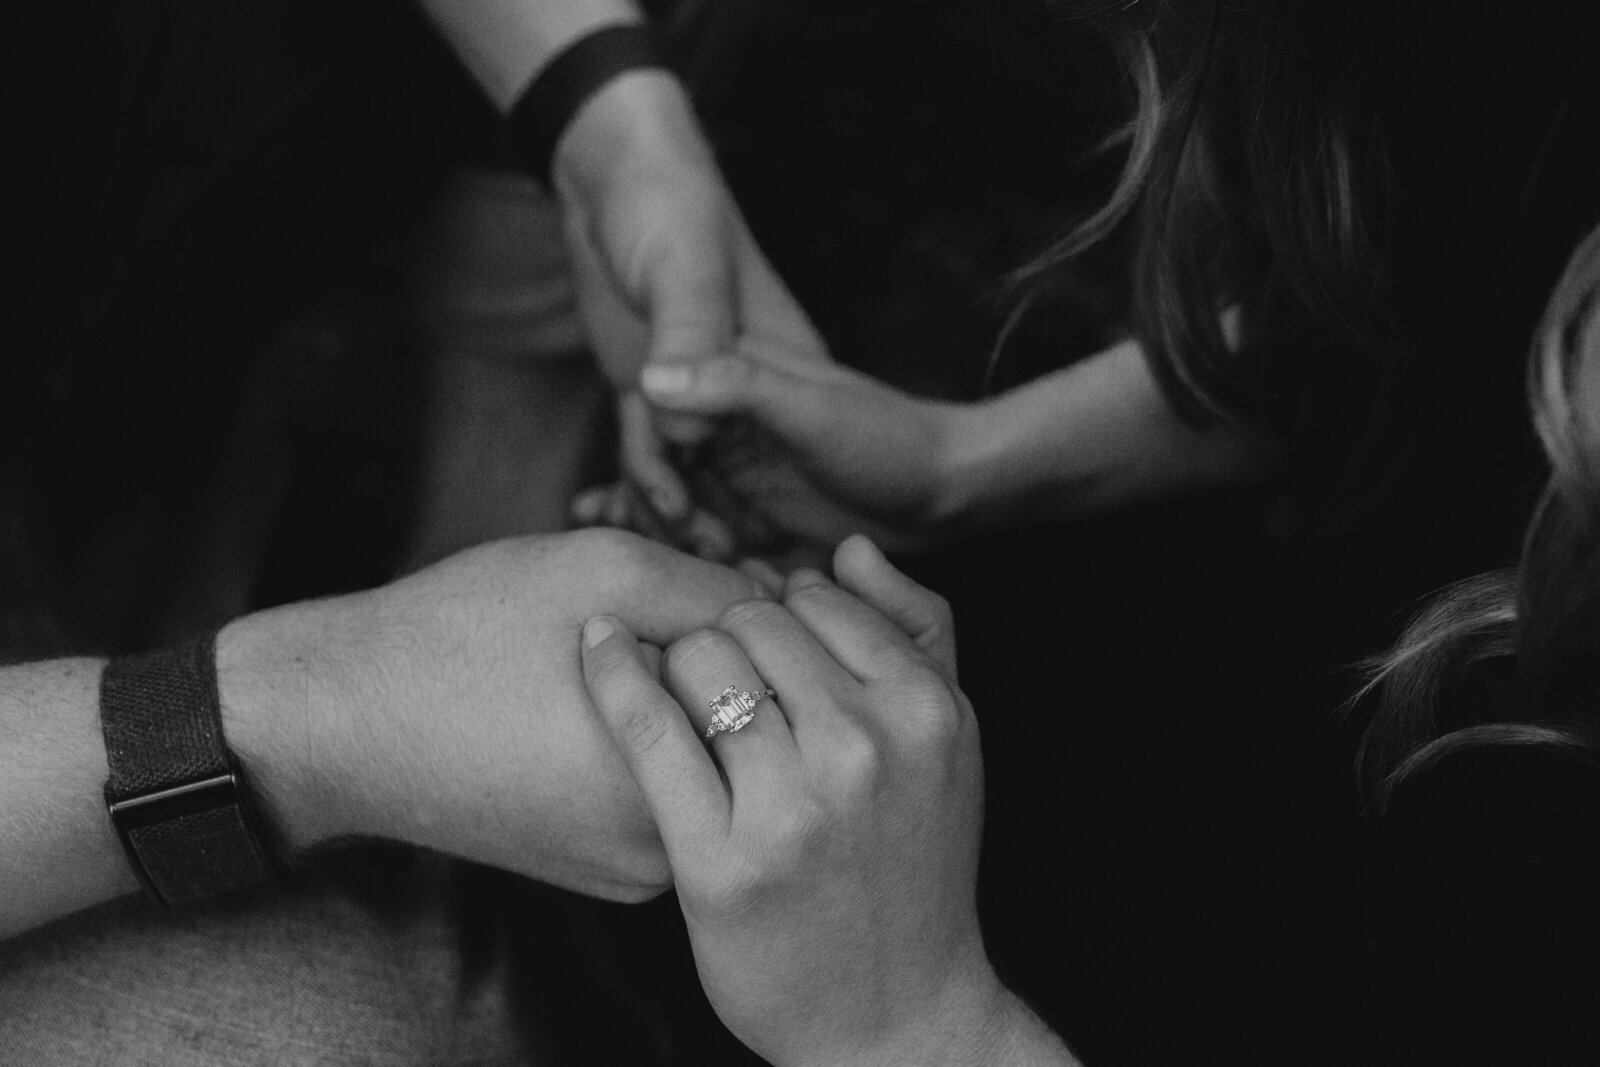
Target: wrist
{"x":964,"y":497}
{"x":276,"y":673}
{"x":638,"y":122}
{"x":504,"y":46}
{"x":1011,"y":1034}
{"x":976,"y":1021}
{"x":995,"y":1029}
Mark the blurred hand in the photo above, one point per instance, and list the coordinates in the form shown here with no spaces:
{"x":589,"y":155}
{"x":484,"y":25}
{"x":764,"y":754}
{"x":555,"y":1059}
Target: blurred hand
{"x":828,"y":872}
{"x":667,"y":270}
{"x":811,"y":452}
{"x":448,"y":709}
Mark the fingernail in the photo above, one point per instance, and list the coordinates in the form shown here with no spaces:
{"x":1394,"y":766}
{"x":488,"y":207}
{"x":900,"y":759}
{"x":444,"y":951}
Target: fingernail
{"x":596,"y":630}
{"x":666,"y":378}
{"x":805,"y":578}
{"x":859,"y":545}
{"x":864,"y":541}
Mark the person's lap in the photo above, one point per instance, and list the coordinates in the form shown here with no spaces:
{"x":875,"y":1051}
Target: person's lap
{"x":320,"y":972}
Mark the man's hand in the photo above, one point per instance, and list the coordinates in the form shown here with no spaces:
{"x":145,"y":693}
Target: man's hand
{"x":448,"y":709}
{"x":667,"y":270}
{"x":665,"y":266}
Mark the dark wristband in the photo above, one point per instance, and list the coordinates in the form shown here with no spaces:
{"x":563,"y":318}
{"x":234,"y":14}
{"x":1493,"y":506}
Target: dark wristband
{"x":177,"y":797}
{"x":582,"y":69}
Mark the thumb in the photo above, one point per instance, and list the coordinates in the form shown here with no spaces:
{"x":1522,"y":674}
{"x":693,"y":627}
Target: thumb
{"x":690,"y":301}
{"x":688,"y":293}
{"x":790,"y":406}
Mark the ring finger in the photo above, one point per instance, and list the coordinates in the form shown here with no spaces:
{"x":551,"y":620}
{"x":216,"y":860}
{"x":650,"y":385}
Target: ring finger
{"x":698,"y":671}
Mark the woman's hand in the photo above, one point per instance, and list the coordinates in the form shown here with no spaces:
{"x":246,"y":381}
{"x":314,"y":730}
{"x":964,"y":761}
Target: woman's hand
{"x":828,"y":872}
{"x":810,"y":451}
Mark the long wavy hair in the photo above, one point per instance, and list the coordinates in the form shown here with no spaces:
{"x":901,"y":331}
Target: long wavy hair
{"x":1513,"y":657}
{"x":1251,"y":171}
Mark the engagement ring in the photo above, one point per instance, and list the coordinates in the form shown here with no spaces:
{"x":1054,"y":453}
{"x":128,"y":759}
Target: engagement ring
{"x":734,"y":709}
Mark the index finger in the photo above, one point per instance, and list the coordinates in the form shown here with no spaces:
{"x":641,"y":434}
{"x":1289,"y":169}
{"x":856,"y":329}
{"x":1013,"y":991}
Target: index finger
{"x":643,"y":457}
{"x":661,"y":593}
{"x":679,"y":781}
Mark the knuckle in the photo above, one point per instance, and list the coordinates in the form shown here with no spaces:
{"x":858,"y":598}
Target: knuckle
{"x":810,"y":595}
{"x":787,"y":847}
{"x":940,"y":635}
{"x":734,"y":888}
{"x":799,"y":830}
{"x":928,"y":713}
{"x":923,"y":683}
{"x":753,"y":613}
{"x":613,"y":553}
{"x":692,"y":646}
{"x":604,"y":676}
{"x":641,"y":721}
{"x":859,"y":760}
{"x":934,"y":730}
{"x":942,"y":617}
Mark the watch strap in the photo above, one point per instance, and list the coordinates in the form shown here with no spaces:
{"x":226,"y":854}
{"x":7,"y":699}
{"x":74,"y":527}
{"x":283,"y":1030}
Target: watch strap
{"x":544,"y":110}
{"x":177,"y":797}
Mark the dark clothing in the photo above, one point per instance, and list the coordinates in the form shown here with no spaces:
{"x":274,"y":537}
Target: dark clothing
{"x":1485,"y":928}
{"x":1176,"y":866}
{"x":203,"y":173}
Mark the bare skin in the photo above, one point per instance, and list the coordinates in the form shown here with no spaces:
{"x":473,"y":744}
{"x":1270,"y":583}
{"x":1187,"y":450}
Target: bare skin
{"x":446,"y":710}
{"x":826,"y":854}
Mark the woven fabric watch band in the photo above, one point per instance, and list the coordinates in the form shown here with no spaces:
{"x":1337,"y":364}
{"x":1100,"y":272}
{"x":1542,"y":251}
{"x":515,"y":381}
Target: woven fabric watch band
{"x":177,"y":797}
{"x":548,"y":104}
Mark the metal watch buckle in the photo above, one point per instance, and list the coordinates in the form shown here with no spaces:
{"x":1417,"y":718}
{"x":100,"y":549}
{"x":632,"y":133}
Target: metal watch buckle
{"x":164,"y":805}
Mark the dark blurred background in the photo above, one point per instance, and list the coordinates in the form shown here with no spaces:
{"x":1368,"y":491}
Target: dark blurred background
{"x":1172,"y":857}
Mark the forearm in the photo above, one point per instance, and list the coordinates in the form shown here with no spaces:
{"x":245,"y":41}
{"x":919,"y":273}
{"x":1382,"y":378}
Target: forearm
{"x":504,"y":43}
{"x":628,"y":121}
{"x":58,"y":852}
{"x":1093,"y":437}
{"x":443,"y":710}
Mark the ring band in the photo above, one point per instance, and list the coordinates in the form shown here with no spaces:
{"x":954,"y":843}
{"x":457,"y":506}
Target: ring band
{"x":734,"y":709}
